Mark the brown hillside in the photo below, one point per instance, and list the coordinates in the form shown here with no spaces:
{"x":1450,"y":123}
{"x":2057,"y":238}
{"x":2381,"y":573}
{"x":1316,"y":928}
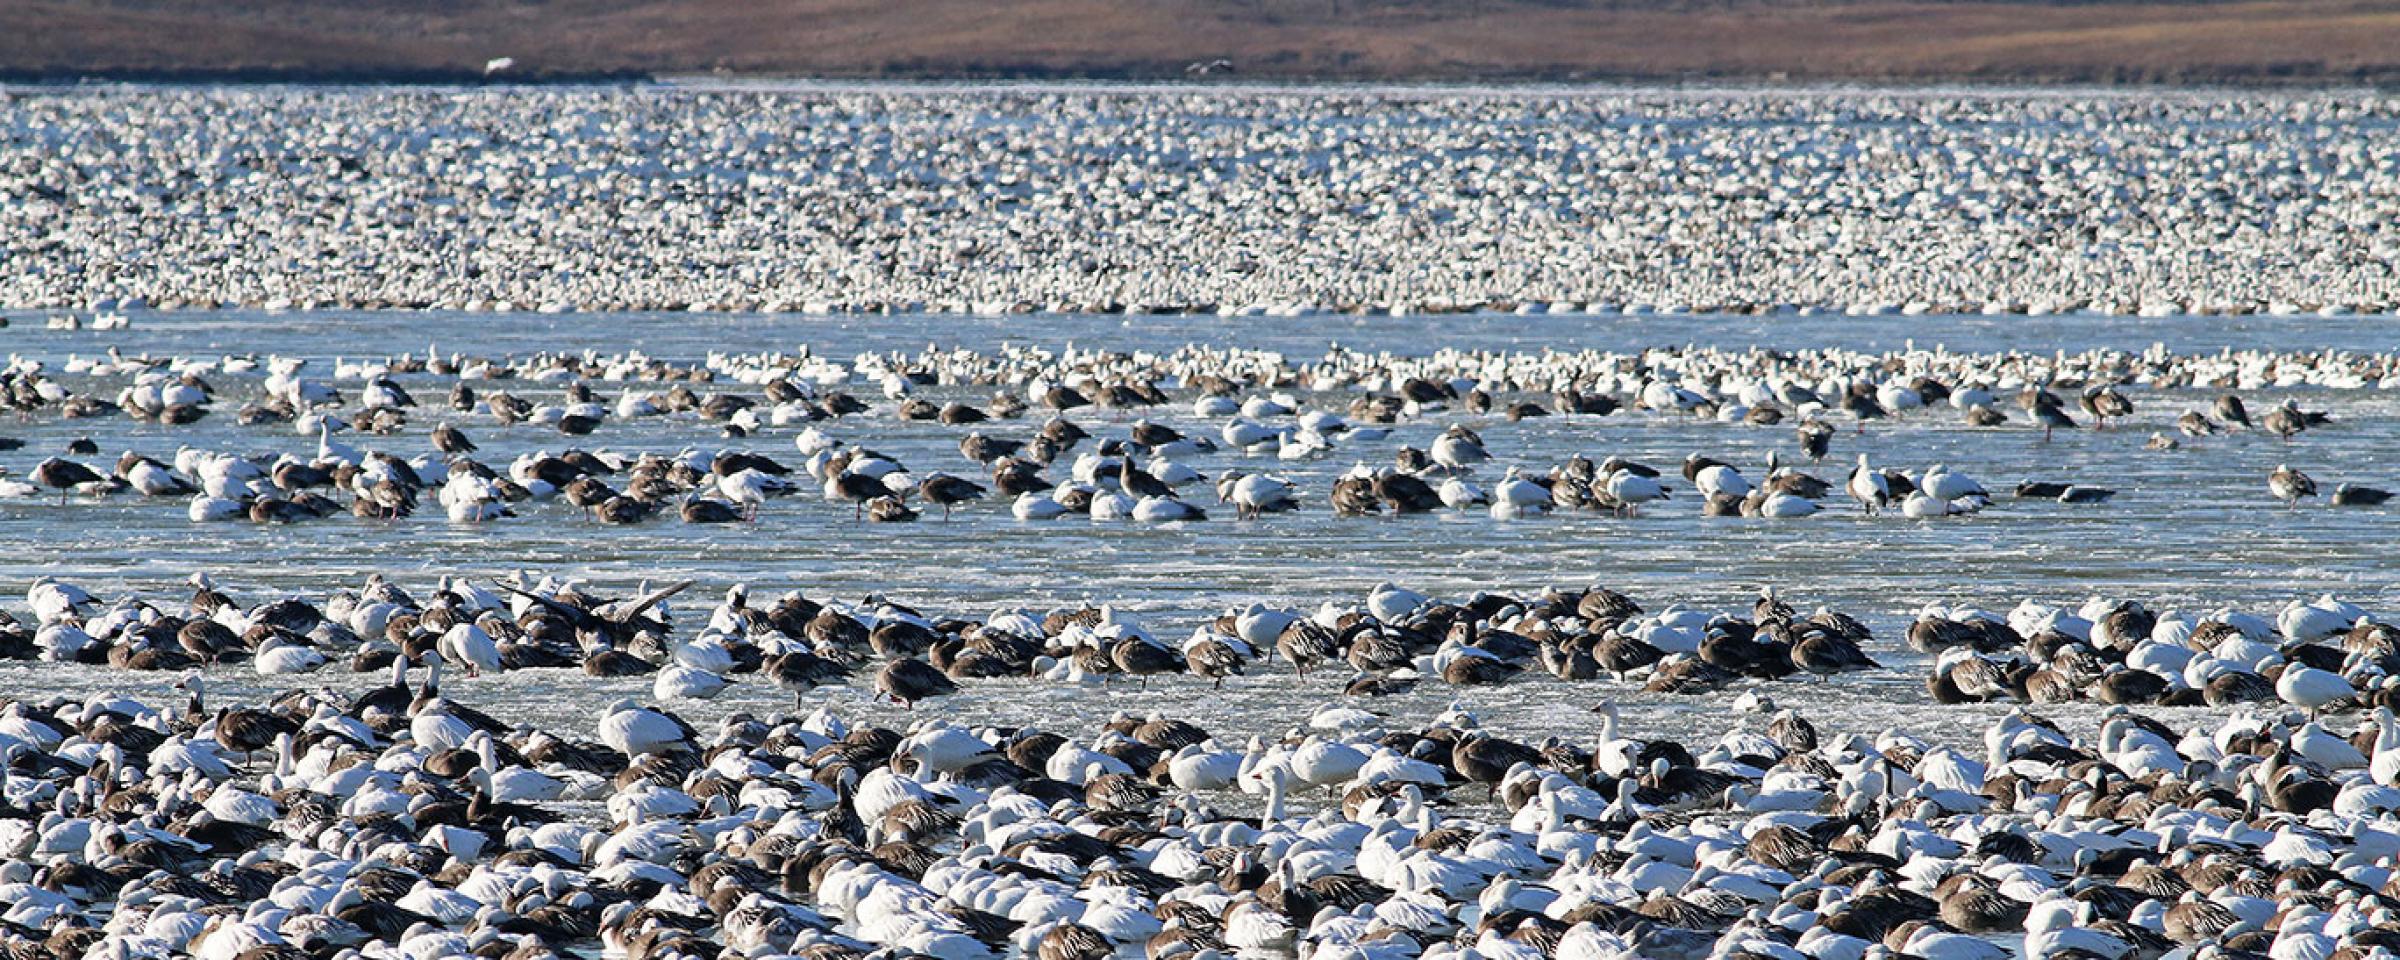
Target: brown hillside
{"x":1433,"y":39}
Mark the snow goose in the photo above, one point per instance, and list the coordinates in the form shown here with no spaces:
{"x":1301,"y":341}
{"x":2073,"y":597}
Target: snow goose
{"x":2312,"y":689}
{"x":635,"y":730}
{"x":2290,"y":486}
{"x":1631,"y":489}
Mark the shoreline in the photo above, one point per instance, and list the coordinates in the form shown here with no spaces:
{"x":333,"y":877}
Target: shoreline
{"x":1175,"y":82}
{"x":2252,"y":43}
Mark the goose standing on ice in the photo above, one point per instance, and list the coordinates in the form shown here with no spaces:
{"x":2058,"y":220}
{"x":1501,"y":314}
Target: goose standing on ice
{"x":2048,"y":411}
{"x":2104,"y":402}
{"x":471,"y":646}
{"x":1869,"y":487}
{"x":948,"y":491}
{"x":1816,"y":439}
{"x":2312,"y":689}
{"x":2289,"y":485}
{"x":63,"y":476}
{"x":1860,"y":402}
{"x":858,"y":488}
{"x":908,"y":680}
{"x":1516,"y":496}
{"x":1631,"y":489}
{"x":1459,"y":448}
{"x":2285,"y":420}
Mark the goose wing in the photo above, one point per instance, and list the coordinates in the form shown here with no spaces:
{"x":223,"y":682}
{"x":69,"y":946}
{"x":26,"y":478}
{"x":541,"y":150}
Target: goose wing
{"x":626,"y":614}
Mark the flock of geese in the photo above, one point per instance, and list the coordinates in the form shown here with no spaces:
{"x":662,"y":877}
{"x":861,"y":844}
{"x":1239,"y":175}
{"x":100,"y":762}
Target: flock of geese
{"x":1610,"y":202}
{"x":2318,"y":655}
{"x":403,"y":821}
{"x":417,"y":816}
{"x":1113,"y":435}
{"x":1388,"y":643}
{"x":2323,"y":656}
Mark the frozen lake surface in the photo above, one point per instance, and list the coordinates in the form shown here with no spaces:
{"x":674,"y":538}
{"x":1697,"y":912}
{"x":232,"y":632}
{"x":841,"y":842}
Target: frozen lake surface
{"x":2190,"y":530}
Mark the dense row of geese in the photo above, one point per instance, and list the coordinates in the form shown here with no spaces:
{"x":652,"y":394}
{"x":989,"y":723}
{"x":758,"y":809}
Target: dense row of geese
{"x":403,"y":821}
{"x":1389,"y":642}
{"x":2319,"y":655}
{"x":2323,"y":656}
{"x":1260,"y":423}
{"x":1979,"y":202}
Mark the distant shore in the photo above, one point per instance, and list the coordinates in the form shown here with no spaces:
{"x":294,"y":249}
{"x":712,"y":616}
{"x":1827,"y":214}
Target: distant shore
{"x":2241,"y":42}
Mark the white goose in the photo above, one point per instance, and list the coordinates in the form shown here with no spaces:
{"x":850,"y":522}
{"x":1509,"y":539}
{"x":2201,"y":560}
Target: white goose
{"x":472,"y":647}
{"x":635,"y":730}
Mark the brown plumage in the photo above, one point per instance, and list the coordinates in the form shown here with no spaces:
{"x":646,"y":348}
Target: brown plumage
{"x":910,"y":680}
